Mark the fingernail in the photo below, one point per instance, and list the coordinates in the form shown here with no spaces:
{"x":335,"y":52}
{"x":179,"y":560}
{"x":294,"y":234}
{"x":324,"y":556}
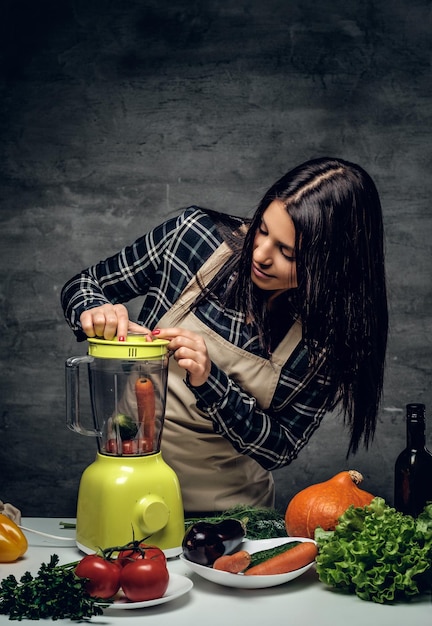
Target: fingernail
{"x":156,"y":331}
{"x":121,"y":338}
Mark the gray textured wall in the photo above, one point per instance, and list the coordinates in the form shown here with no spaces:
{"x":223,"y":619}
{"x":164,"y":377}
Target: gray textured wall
{"x":115,"y":113}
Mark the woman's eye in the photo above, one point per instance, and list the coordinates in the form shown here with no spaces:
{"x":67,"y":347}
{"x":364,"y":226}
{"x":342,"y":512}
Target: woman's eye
{"x":288,"y":255}
{"x":262,"y":230}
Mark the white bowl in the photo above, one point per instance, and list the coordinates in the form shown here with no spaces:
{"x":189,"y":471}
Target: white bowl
{"x":249,"y":582}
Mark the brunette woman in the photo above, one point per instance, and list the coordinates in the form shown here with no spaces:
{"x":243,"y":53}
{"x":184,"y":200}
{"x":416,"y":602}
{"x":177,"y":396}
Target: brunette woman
{"x":272,"y":322}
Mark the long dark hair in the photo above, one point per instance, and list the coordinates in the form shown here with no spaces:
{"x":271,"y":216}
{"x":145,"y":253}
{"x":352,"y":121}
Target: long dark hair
{"x":341,"y":295}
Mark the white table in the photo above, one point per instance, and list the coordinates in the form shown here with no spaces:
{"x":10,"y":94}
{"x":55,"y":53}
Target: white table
{"x":304,"y":601}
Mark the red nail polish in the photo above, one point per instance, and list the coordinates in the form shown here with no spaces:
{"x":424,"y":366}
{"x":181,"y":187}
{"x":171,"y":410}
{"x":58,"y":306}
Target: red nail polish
{"x":121,"y":338}
{"x":156,"y":331}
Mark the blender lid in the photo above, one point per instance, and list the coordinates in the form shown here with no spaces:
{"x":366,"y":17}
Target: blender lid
{"x":134,"y":347}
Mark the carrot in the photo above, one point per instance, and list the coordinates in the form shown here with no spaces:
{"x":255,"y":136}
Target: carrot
{"x":299,"y":556}
{"x":145,"y":396}
{"x":233,"y":563}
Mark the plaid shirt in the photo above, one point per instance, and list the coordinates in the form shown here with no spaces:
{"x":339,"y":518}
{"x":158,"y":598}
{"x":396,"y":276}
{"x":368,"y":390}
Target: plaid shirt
{"x":157,"y":267}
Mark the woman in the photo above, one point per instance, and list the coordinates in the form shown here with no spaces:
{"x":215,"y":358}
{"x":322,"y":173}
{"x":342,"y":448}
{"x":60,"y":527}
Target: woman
{"x":271,"y":321}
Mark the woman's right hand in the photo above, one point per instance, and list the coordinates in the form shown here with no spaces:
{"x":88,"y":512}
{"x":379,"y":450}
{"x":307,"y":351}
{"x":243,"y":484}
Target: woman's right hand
{"x":109,"y":320}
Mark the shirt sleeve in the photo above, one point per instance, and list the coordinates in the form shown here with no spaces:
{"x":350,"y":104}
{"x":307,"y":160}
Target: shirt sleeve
{"x":160,"y":262}
{"x":273,"y":437}
{"x":117,"y":279}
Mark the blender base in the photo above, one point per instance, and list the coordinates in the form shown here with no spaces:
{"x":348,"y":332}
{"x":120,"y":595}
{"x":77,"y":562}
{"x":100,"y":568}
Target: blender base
{"x":122,"y":499}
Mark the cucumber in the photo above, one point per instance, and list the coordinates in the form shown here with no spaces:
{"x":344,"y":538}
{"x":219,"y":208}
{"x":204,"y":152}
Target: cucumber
{"x":127,"y":427}
{"x":265,"y":555}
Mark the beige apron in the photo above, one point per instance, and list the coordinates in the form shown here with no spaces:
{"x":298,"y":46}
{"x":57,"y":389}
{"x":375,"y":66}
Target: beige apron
{"x":212,"y":474}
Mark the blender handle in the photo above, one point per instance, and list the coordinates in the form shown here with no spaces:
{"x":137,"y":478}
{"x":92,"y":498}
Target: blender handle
{"x":73,"y":396}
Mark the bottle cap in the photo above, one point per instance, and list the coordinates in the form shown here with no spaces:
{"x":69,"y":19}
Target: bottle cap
{"x":415,"y":411}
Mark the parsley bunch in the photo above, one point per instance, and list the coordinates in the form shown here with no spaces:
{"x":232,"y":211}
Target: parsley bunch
{"x":55,"y":592}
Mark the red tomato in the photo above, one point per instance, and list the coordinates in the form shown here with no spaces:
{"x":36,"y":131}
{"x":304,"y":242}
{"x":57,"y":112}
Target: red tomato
{"x":145,"y":444}
{"x":129,"y":446}
{"x":144,"y":579}
{"x":103,"y":576}
{"x":112,"y":446}
{"x":142,"y":551}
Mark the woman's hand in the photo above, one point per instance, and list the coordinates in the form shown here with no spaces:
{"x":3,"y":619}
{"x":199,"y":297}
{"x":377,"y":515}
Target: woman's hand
{"x":189,"y":350}
{"x":109,"y":320}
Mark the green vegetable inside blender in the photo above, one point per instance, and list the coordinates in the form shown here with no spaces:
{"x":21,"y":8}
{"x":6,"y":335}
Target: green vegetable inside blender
{"x":126,"y":426}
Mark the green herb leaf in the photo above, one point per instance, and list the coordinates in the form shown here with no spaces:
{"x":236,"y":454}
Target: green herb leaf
{"x":54,"y":593}
{"x":260,"y":522}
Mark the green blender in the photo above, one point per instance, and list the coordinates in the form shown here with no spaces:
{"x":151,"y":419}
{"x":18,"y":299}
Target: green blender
{"x":128,"y":492}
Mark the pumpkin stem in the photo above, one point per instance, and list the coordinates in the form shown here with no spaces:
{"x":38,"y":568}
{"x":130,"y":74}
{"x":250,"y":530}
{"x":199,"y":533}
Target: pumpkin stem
{"x":355,"y":476}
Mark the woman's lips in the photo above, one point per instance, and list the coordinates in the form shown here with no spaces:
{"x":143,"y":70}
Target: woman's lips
{"x":259,"y":273}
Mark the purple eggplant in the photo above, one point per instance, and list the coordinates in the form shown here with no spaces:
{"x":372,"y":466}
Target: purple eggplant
{"x":204,"y":542}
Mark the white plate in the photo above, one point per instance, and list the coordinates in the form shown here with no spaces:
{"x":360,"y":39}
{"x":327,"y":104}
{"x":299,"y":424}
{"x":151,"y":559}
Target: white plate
{"x":177,"y":586}
{"x":249,"y":582}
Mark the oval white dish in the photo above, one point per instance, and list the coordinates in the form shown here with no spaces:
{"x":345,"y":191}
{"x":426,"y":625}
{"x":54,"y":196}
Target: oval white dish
{"x":249,"y":582}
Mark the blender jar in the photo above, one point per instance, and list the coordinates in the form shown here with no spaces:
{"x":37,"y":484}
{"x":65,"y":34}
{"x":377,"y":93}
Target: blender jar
{"x":127,"y":382}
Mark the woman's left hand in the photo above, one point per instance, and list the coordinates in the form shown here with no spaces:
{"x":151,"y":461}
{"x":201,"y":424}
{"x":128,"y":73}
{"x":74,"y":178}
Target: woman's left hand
{"x":189,"y":350}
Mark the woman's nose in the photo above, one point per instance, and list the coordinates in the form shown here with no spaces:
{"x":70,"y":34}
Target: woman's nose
{"x":262,"y":254}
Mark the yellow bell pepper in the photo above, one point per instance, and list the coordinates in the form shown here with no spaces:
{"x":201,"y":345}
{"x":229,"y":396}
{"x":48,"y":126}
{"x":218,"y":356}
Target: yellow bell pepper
{"x":13,"y":542}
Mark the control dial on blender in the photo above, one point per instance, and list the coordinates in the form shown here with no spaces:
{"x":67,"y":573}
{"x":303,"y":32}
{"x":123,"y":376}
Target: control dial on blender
{"x":152,"y":514}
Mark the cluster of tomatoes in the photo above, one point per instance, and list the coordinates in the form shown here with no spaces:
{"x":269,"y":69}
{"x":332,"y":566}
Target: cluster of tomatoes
{"x":130,"y":446}
{"x":140,"y":571}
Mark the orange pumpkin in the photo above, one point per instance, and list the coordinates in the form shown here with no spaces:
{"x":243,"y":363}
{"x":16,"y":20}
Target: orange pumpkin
{"x":323,"y":503}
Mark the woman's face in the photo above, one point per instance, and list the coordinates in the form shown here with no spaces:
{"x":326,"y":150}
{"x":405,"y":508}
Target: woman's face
{"x":273,"y":258}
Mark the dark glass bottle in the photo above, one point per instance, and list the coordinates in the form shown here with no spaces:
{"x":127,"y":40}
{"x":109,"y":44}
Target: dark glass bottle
{"x":413,"y":468}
